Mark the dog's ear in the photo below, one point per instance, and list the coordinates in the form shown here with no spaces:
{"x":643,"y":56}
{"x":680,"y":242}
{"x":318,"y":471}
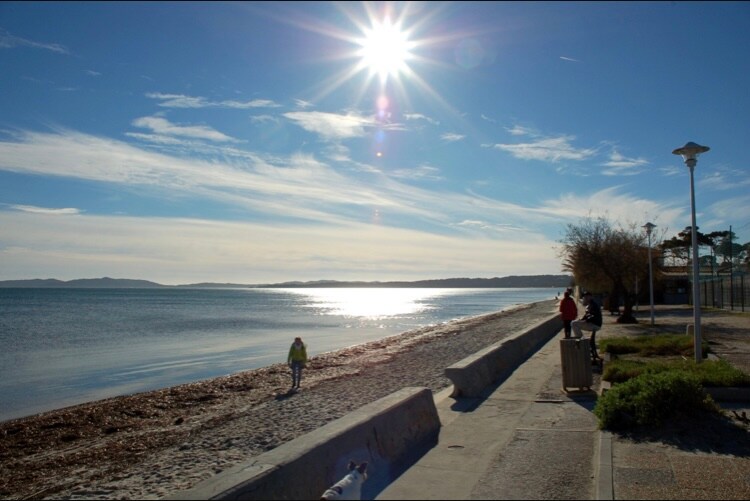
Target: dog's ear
{"x":362,"y":468}
{"x":352,"y":465}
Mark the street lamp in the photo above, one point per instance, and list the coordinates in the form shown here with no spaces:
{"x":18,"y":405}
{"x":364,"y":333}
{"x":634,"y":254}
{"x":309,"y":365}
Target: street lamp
{"x":649,"y":228}
{"x":690,"y":153}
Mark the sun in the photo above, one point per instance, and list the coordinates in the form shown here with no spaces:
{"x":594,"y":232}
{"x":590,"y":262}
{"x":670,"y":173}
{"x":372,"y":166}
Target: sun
{"x":385,"y":50}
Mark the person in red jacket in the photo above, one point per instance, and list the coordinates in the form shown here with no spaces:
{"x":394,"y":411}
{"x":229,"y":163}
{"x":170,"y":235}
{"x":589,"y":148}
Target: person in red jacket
{"x":568,"y":312}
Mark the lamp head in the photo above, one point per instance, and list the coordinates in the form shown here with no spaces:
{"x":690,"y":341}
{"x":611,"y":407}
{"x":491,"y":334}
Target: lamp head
{"x":649,"y":228}
{"x":690,"y":152}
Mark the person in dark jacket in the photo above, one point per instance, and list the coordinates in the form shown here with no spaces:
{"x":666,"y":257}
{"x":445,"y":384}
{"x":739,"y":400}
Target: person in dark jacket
{"x":591,"y":319}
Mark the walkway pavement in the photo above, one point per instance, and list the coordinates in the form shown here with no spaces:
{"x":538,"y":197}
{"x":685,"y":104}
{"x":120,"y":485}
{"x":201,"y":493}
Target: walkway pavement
{"x":526,"y":438}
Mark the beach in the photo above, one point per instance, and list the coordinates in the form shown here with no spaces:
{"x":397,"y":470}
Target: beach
{"x":158,"y":443}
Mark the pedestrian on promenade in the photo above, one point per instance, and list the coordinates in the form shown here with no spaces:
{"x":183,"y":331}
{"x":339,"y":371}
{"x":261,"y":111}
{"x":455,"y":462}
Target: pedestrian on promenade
{"x":296,"y":360}
{"x":568,"y":312}
{"x":591,"y":319}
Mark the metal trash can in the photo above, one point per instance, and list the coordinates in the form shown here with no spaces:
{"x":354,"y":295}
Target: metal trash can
{"x":575,"y":355}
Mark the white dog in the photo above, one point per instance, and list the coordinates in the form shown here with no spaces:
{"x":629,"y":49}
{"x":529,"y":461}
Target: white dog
{"x":349,"y":487}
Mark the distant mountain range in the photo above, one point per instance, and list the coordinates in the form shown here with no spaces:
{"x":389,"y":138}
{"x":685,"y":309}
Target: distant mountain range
{"x":448,"y":283}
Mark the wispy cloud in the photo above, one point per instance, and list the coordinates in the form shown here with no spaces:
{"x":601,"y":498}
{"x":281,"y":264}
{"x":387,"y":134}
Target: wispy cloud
{"x":671,"y":170}
{"x":518,"y":130}
{"x":722,"y":178}
{"x":569,"y":59}
{"x":618,"y":207}
{"x":8,"y":41}
{"x":263,"y":119}
{"x":183,"y":101}
{"x":45,"y":210}
{"x":619,"y":165}
{"x":421,"y":172}
{"x":93,"y":73}
{"x":162,"y":126}
{"x":452,"y":137}
{"x":303,"y":104}
{"x":419,"y":116}
{"x":553,"y":149}
{"x":330,"y":125}
{"x":488,"y":227}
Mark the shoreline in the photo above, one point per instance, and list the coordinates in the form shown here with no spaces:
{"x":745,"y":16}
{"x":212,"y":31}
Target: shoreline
{"x":156,"y":443}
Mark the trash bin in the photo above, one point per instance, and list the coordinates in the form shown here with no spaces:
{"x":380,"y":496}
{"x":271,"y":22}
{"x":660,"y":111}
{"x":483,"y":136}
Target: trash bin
{"x":575,"y":355}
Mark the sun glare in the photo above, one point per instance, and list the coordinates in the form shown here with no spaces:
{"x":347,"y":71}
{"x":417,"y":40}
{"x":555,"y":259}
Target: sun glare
{"x":385,"y":50}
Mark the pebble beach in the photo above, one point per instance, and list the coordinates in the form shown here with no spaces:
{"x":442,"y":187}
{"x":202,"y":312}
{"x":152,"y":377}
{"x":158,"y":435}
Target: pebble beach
{"x":159,"y":443}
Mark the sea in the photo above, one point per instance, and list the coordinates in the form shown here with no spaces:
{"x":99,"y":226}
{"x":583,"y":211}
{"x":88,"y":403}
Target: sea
{"x":65,"y":346}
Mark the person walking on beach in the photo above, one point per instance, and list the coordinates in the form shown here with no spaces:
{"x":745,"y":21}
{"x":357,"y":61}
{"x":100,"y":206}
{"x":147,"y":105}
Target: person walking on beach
{"x":568,"y":312}
{"x":296,"y":360}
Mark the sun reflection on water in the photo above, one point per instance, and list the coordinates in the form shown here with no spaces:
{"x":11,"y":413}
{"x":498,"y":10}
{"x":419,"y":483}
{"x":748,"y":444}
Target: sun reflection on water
{"x":369,"y":303}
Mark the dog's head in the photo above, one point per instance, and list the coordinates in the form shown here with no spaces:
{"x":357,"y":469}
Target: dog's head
{"x":361,"y":468}
{"x":350,"y":486}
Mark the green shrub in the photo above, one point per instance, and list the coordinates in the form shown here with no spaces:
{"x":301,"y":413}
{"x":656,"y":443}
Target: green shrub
{"x":650,"y":399}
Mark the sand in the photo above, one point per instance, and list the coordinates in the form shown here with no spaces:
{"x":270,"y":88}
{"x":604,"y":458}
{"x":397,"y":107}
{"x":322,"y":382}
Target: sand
{"x":158,"y":443}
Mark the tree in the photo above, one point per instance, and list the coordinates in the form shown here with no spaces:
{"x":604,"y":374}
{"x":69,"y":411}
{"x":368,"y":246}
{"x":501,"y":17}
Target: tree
{"x":604,"y":258}
{"x":679,"y":246}
{"x":726,"y":247}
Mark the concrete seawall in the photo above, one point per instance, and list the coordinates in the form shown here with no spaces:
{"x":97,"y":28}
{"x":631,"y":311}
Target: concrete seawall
{"x":385,"y":433}
{"x":474,"y":373}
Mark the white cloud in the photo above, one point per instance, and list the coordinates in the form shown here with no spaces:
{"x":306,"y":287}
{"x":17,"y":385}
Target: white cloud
{"x":721,"y":178}
{"x":259,"y":119}
{"x":421,"y":172}
{"x":93,"y":73}
{"x":183,"y":101}
{"x":45,"y":210}
{"x":569,"y":59}
{"x":8,"y":41}
{"x":619,"y":207}
{"x":518,"y":130}
{"x":731,"y":210}
{"x":620,"y":165}
{"x":552,"y":149}
{"x":419,"y":116}
{"x":303,"y":104}
{"x":330,"y":125}
{"x":162,"y":126}
{"x":452,"y":137}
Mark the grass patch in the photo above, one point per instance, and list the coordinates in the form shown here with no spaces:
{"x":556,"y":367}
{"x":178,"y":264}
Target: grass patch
{"x":657,"y":345}
{"x":709,"y":372}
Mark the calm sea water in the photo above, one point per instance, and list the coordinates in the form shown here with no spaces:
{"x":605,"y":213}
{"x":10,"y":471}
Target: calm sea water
{"x":61,"y":347}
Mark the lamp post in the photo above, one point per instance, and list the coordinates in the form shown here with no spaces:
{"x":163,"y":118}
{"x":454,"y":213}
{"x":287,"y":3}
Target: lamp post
{"x":649,"y":228}
{"x":689,"y":154}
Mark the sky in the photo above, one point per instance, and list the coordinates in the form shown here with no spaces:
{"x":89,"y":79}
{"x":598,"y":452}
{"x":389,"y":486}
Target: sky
{"x":259,"y":142}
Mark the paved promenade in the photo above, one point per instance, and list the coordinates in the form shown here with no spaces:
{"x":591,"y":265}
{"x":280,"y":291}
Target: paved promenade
{"x":528,"y":439}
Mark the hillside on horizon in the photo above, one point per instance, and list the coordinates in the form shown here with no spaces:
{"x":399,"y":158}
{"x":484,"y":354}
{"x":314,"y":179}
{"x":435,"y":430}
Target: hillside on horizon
{"x":514,"y":281}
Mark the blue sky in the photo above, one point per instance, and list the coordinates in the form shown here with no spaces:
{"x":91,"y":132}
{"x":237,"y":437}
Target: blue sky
{"x":272,"y":141}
